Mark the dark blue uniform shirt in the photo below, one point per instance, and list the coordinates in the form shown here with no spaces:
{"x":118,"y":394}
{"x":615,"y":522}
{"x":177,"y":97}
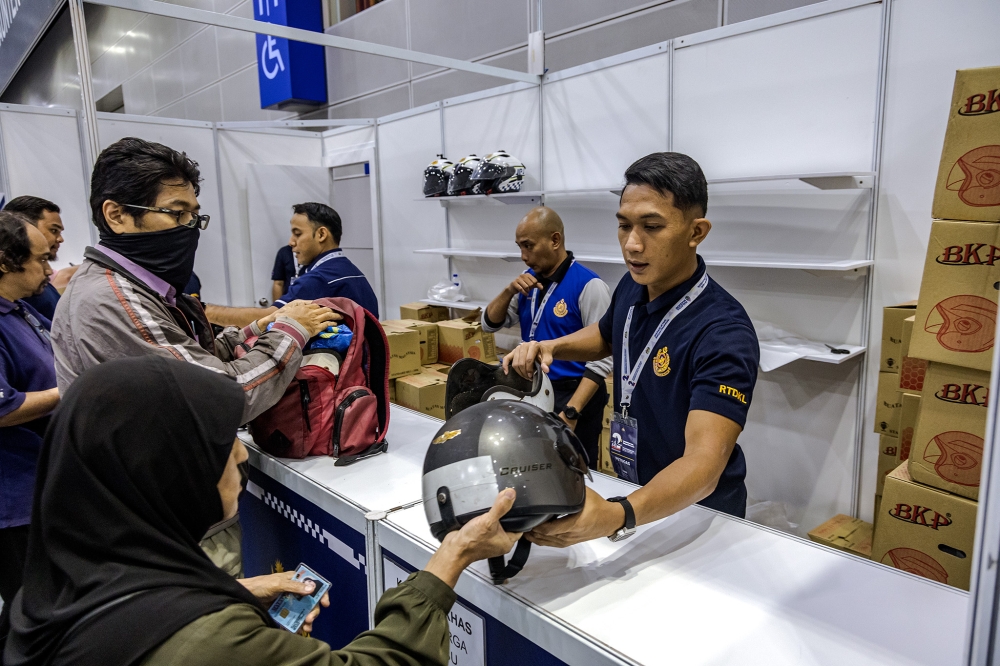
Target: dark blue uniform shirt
{"x":26,"y":365}
{"x":706,"y":359}
{"x":285,"y":268}
{"x":332,"y":275}
{"x":562,"y":315}
{"x":45,"y":302}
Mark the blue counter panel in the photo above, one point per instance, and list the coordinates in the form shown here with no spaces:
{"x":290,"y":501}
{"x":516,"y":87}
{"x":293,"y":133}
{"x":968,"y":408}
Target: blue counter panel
{"x":477,"y":638}
{"x":282,"y":529}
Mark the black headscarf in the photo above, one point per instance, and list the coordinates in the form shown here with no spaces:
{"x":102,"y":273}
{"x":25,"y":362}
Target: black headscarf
{"x":126,"y":487}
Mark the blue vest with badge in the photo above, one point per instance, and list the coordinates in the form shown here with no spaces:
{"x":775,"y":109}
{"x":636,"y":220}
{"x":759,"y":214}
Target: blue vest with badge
{"x":561,"y":315}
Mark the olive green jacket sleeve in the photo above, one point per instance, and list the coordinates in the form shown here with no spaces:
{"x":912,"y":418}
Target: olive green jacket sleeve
{"x":411,"y":629}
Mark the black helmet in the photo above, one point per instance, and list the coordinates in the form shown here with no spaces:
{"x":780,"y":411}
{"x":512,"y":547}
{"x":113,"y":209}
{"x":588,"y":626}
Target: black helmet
{"x":436,"y":176}
{"x":471,"y":382}
{"x":461,"y":177}
{"x":498,"y":173}
{"x":502,"y":444}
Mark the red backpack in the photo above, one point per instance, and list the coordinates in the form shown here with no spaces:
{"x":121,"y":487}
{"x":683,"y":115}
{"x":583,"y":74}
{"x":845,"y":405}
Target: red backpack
{"x":321,"y":414}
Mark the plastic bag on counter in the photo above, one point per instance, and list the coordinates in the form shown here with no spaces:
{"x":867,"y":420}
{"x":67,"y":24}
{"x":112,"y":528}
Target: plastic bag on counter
{"x":446,"y":291}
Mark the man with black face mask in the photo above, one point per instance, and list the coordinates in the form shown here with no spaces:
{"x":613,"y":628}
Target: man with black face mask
{"x":128,"y":297}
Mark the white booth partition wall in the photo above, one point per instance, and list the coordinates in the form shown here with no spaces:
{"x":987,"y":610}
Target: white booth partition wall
{"x":255,"y":217}
{"x":42,"y":157}
{"x":781,"y":245}
{"x":406,"y":143}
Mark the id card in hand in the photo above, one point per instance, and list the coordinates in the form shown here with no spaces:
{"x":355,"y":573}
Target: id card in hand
{"x":290,"y":610}
{"x":623,"y":446}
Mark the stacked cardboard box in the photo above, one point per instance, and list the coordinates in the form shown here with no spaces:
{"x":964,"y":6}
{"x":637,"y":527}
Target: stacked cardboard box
{"x":465,"y":338}
{"x":427,"y":332}
{"x":841,"y":532}
{"x":423,"y":312}
{"x":422,"y":392}
{"x":404,"y":351}
{"x":925,"y":519}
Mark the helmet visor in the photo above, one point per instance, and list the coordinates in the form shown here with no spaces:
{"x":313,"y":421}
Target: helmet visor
{"x":435,"y":182}
{"x":489,"y":171}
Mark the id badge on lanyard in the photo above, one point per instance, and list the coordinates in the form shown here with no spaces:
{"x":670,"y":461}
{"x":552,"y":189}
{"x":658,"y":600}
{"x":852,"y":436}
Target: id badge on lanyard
{"x":624,"y":445}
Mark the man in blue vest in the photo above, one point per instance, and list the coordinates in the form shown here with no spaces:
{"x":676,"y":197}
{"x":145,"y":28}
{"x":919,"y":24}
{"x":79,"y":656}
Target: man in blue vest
{"x":685,"y":358}
{"x":555,"y":297}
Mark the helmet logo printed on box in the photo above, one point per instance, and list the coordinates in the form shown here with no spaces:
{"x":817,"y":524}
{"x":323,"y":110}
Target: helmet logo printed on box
{"x":963,"y":323}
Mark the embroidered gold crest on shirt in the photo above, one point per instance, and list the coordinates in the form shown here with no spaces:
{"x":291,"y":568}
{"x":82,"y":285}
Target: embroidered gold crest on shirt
{"x":560,"y":309}
{"x":661,"y":363}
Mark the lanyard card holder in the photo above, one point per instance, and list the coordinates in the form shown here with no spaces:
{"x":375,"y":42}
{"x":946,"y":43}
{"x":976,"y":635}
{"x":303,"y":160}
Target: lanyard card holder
{"x":623,"y":447}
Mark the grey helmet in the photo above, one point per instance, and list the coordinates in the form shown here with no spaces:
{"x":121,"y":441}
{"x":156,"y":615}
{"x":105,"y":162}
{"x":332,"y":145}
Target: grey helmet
{"x":471,"y":382}
{"x":500,"y":444}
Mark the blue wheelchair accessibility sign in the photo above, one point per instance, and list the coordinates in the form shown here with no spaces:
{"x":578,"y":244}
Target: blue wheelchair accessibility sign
{"x":290,"y":73}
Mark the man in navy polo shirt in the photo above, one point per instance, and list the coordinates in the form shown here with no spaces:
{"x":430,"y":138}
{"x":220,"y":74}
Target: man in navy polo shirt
{"x":557,"y":296}
{"x":45,"y":216}
{"x":685,"y":359}
{"x":283,"y":273}
{"x":327,"y":273}
{"x":28,"y":390}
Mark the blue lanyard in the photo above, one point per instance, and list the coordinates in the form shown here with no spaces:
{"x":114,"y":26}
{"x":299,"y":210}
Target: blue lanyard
{"x":630,"y":375}
{"x":35,"y":324}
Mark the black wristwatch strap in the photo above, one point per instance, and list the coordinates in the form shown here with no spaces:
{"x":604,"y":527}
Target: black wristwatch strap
{"x":572,"y":413}
{"x":629,"y":512}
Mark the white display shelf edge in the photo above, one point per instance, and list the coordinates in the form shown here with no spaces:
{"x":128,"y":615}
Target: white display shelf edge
{"x":830,"y":357}
{"x":847,"y":180}
{"x":458,"y":305}
{"x":833,"y":266}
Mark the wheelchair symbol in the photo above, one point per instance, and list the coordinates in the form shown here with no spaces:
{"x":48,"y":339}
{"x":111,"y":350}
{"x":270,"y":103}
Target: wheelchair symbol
{"x":269,"y":52}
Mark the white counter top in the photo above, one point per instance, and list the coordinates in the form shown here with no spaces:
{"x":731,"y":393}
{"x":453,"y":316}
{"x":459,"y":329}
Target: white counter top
{"x":384,"y":481}
{"x":695,"y":588}
{"x":703,"y":588}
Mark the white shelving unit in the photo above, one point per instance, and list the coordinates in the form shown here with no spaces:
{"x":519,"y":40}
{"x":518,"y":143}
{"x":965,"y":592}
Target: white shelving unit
{"x":837,"y":266}
{"x":862,"y":180}
{"x":457,"y":305}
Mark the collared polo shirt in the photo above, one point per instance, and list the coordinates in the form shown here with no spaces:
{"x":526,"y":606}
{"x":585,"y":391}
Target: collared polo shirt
{"x":285,"y":269}
{"x":706,"y":359}
{"x":332,"y":275}
{"x":45,"y":302}
{"x":27,"y":364}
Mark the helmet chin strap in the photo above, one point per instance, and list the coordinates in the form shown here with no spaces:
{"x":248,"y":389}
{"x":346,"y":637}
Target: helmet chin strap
{"x":501,"y":572}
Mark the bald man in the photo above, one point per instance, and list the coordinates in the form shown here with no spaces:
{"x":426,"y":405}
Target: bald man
{"x":558,"y":296}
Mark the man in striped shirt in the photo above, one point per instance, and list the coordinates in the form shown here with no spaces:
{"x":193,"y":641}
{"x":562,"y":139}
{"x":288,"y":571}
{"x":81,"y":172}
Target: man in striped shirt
{"x":127,"y":298}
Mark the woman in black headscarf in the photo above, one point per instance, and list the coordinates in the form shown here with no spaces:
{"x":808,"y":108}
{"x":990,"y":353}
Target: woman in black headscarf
{"x":138,"y":462}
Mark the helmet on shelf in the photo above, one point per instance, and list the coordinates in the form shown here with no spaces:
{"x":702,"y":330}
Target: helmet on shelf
{"x":499,"y":173}
{"x":471,"y":382}
{"x":461,"y":177}
{"x":500,"y":444}
{"x":436,"y":176}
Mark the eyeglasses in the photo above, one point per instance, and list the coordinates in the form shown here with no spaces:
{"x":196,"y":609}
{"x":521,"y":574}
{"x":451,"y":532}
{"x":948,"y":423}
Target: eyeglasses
{"x":196,"y":220}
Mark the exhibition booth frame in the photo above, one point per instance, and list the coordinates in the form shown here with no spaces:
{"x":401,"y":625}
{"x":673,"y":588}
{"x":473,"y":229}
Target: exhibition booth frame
{"x":799,"y":201}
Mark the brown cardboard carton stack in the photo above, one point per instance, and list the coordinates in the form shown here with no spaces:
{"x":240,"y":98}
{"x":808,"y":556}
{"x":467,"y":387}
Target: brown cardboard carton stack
{"x":404,"y":351}
{"x":423,"y":392}
{"x":423,"y":312}
{"x":841,"y":532}
{"x":924,"y":530}
{"x":427,"y":332}
{"x":465,"y":338}
{"x":604,"y":463}
{"x":925,"y":521}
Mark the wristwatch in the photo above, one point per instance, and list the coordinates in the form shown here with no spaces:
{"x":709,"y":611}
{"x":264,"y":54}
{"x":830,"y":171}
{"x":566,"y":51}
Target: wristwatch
{"x":572,"y":413}
{"x":629,"y":528}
